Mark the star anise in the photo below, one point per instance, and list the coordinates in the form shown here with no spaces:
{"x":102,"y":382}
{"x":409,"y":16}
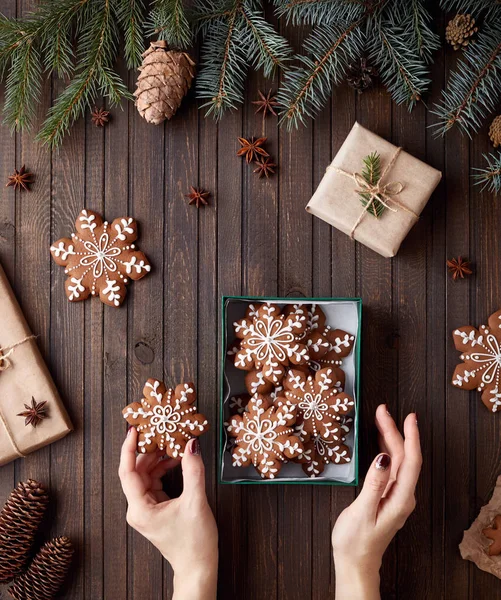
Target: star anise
{"x":459,"y":267}
{"x":252,"y":149}
{"x":198,"y":196}
{"x":265,"y":167}
{"x":266,"y":104}
{"x":100,"y":117}
{"x":35,"y":413}
{"x":20,"y":179}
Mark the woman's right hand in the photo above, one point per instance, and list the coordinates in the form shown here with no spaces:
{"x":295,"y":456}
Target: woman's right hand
{"x":183,"y":529}
{"x":364,"y":530}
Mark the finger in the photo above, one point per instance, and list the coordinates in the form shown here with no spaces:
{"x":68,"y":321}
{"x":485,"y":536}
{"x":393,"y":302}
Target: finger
{"x":132,"y":483}
{"x":410,"y":468}
{"x":375,"y":484}
{"x":390,"y":442}
{"x":163,"y":467}
{"x":391,"y":437}
{"x":193,"y":472}
{"x":146,"y":462}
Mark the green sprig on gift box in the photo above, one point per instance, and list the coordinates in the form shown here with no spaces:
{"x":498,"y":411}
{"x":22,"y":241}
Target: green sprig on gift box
{"x":372,"y":174}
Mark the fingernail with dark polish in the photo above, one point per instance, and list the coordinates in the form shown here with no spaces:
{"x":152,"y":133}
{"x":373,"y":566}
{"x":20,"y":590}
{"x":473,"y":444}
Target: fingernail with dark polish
{"x":383,"y":461}
{"x":387,"y":411}
{"x":195,"y":447}
{"x":417,"y":420}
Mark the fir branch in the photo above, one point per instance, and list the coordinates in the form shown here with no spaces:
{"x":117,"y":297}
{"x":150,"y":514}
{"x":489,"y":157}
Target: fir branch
{"x":318,"y":12}
{"x":306,"y":88}
{"x":473,"y":88}
{"x":94,"y":75}
{"x":402,"y":71}
{"x":130,"y":16}
{"x":475,"y":7}
{"x":266,"y":49}
{"x":221,"y":79}
{"x":372,"y":174}
{"x":169,"y":22}
{"x":424,"y":39}
{"x":490,"y":176}
{"x":236,"y":35}
{"x":23,"y":87}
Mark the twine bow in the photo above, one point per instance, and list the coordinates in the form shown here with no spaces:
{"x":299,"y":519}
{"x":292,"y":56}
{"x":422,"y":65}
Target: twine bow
{"x":5,"y":363}
{"x":377,"y":192}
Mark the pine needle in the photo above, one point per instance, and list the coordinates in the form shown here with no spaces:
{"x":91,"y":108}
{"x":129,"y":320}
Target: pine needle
{"x":490,"y":176}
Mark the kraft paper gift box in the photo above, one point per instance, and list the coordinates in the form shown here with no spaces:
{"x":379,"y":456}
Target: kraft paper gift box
{"x":337,"y":201}
{"x":23,"y":376}
{"x":345,"y":313}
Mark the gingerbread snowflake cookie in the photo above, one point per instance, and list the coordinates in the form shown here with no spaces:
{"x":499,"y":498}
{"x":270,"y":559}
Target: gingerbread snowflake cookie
{"x":100,"y":259}
{"x":481,"y":366}
{"x":270,"y":341}
{"x":318,"y":401}
{"x":326,"y":346}
{"x":165,"y":419}
{"x":265,"y":437}
{"x":319,"y":452}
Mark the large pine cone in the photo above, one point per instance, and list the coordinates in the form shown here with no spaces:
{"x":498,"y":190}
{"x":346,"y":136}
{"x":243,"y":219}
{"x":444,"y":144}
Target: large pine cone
{"x":460,"y":30}
{"x":19,"y":521}
{"x":495,"y":132}
{"x":46,"y":573}
{"x":164,"y":80}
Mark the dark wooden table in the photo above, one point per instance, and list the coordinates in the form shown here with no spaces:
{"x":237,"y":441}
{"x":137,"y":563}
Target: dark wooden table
{"x":255,"y":238}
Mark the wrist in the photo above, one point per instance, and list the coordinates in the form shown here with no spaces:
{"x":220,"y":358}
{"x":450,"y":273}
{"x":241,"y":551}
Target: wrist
{"x":357,"y":579}
{"x":198,"y":582}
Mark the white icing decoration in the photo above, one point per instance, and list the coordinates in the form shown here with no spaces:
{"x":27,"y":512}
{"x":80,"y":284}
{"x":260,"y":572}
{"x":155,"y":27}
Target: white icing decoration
{"x":496,"y":399}
{"x":88,"y":221}
{"x":138,"y":266}
{"x":111,"y":290}
{"x":124,"y":227}
{"x":62,"y":251}
{"x":76,"y":289}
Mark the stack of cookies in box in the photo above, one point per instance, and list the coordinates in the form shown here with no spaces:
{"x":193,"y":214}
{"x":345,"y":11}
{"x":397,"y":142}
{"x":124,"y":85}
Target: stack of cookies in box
{"x":295,"y":409}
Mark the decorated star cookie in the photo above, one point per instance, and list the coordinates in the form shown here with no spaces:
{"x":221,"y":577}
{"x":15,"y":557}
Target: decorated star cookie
{"x":319,"y":452}
{"x":481,"y":367}
{"x":326,"y":346}
{"x":264,"y":437}
{"x":100,"y":259}
{"x":270,"y":341}
{"x":494,"y":533}
{"x":319,"y":403}
{"x":166,"y":419}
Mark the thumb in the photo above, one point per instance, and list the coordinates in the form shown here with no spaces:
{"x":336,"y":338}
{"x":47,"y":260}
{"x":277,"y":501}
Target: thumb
{"x":193,"y":471}
{"x":375,"y":483}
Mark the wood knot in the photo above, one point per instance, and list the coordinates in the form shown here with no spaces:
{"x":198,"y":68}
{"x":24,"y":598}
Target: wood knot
{"x":144,"y":353}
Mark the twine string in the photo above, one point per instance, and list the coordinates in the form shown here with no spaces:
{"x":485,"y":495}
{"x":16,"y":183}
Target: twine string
{"x":6,"y":363}
{"x":378,"y":192}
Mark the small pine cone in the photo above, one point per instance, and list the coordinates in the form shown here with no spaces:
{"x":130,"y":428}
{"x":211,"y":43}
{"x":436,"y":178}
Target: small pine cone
{"x":46,"y":573}
{"x":460,"y":30}
{"x":495,"y":132}
{"x":361,"y":75}
{"x":164,"y":80}
{"x":19,"y":520}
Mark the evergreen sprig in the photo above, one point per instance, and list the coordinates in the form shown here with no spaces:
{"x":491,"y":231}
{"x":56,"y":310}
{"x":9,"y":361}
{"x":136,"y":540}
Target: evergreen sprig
{"x":168,"y":21}
{"x":490,"y":176}
{"x":473,"y":88}
{"x":236,"y":36}
{"x":372,"y":174}
{"x":396,"y":34}
{"x":476,"y":7}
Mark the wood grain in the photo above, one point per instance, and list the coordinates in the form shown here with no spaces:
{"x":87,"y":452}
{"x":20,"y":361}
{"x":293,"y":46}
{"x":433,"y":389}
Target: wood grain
{"x":254,"y":238}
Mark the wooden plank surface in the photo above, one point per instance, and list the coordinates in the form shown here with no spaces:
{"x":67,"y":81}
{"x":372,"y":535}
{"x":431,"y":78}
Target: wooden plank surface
{"x":254,"y":238}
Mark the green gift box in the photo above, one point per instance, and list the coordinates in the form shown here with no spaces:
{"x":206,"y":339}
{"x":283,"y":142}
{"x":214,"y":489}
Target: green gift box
{"x":341,"y":313}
